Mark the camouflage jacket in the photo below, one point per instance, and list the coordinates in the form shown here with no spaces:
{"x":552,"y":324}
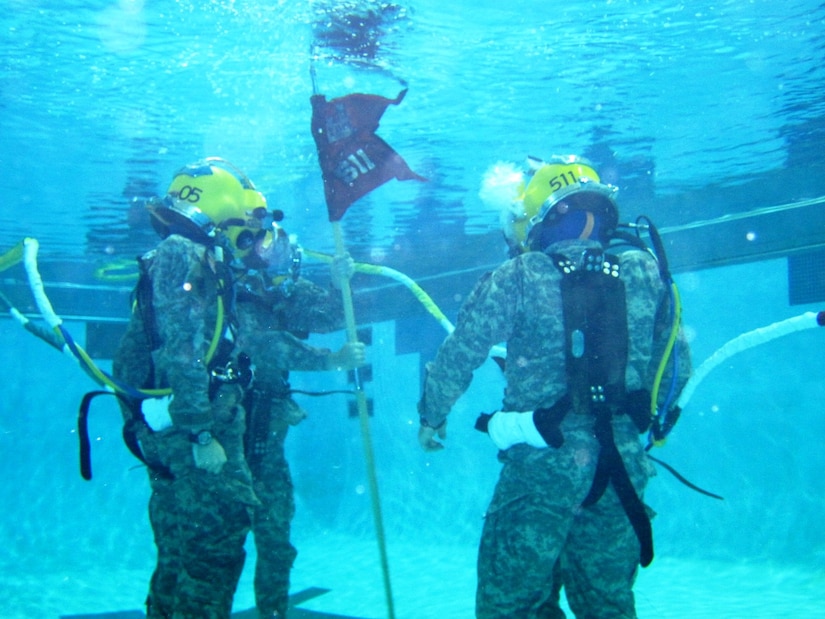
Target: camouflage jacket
{"x":520,"y":303}
{"x":184,"y":281}
{"x":273,"y":326}
{"x":184,"y":293}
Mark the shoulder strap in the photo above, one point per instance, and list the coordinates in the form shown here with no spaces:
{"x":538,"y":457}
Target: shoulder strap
{"x":142,"y":297}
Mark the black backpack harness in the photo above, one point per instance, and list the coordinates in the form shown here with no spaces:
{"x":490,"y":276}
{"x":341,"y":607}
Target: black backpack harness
{"x":222,"y":369}
{"x":596,"y":352}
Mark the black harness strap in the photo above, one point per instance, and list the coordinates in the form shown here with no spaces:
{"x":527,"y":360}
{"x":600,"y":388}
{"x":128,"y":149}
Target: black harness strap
{"x":611,"y":469}
{"x":548,"y":421}
{"x":142,"y":302}
{"x":595,"y":324}
{"x":129,"y":434}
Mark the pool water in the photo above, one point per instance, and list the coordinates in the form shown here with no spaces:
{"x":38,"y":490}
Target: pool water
{"x":750,"y":434}
{"x":698,"y":111}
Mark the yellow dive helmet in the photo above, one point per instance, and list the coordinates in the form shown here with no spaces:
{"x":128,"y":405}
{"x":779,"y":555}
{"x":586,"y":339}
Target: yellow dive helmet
{"x":209,"y":199}
{"x":563,"y":184}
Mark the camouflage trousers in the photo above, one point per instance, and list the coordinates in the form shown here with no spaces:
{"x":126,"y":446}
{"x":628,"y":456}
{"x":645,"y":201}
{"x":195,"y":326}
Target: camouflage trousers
{"x":537,"y":537}
{"x":271,"y":520}
{"x":200,"y":521}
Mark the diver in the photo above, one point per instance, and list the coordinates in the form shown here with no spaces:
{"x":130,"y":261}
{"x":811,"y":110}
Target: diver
{"x":185,"y":335}
{"x":278,"y":309}
{"x":585,"y":322}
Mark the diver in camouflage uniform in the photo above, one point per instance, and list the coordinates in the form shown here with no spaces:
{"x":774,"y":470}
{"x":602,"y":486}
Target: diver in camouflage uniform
{"x":187,"y":303}
{"x":280,"y":309}
{"x":181,"y":337}
{"x":567,"y":506}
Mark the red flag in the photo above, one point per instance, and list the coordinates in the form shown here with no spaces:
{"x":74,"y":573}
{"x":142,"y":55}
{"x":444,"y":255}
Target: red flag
{"x":354,"y":160}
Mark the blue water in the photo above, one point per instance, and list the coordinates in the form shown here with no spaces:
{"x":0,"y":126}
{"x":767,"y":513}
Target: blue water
{"x":752,"y":433}
{"x":102,"y":101}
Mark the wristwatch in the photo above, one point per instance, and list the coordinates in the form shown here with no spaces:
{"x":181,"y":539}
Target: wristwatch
{"x":427,"y":424}
{"x":202,"y":438}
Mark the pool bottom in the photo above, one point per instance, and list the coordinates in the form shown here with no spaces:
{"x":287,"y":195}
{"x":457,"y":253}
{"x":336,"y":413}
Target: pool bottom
{"x":428,"y":582}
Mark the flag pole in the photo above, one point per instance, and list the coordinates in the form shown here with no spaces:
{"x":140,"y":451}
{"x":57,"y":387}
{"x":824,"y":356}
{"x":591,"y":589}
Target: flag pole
{"x":363,"y":417}
{"x":354,"y":161}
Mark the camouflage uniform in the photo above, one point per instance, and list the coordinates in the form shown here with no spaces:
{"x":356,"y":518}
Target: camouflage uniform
{"x":271,"y":322}
{"x":536,"y":523}
{"x":199,"y":519}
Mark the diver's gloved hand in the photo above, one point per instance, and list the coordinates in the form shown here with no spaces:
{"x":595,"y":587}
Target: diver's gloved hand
{"x":352,"y":355}
{"x":539,"y":428}
{"x":427,"y":434}
{"x":292,"y":413}
{"x":210,"y":457}
{"x":508,"y":428}
{"x":341,"y":269}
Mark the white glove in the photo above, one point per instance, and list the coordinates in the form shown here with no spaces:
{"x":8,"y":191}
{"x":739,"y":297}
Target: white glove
{"x":508,"y":428}
{"x":156,"y":412}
